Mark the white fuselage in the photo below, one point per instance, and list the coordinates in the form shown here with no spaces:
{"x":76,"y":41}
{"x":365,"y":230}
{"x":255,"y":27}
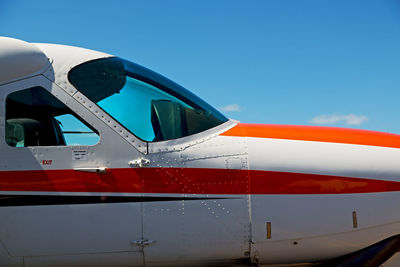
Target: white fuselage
{"x":232,"y":194}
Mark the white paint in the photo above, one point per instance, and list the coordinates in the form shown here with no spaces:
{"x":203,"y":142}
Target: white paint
{"x":324,"y":158}
{"x":19,"y":60}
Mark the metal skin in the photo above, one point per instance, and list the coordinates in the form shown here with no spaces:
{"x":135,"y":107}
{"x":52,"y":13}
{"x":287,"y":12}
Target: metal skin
{"x":235,"y":194}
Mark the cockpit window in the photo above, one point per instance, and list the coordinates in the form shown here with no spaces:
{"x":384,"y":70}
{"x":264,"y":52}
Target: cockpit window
{"x":149,"y":105}
{"x":34,"y":117}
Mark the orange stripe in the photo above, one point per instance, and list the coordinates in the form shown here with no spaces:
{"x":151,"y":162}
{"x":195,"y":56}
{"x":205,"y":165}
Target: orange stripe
{"x":316,"y":133}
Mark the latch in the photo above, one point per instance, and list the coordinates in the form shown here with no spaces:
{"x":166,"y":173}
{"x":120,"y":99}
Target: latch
{"x":139,"y":163}
{"x":97,"y":170}
{"x":143,"y":242}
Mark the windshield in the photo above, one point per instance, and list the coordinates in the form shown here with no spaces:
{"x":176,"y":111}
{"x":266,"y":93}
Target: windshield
{"x":149,"y":105}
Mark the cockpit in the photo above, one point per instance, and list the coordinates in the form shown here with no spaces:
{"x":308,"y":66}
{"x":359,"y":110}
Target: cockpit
{"x":148,"y":105}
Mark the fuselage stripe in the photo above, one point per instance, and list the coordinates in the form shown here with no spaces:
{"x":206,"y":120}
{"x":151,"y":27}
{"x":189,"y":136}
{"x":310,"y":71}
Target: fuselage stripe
{"x":50,"y":200}
{"x":189,"y":181}
{"x":315,"y":133}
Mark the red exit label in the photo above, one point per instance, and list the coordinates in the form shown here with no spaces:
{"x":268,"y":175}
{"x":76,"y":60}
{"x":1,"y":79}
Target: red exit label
{"x":47,"y":162}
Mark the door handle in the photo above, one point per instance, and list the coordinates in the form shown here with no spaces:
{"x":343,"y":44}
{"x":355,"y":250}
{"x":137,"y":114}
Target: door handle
{"x":96,"y":170}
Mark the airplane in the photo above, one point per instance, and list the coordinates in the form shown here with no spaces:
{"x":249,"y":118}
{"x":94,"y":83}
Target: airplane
{"x":106,"y":163}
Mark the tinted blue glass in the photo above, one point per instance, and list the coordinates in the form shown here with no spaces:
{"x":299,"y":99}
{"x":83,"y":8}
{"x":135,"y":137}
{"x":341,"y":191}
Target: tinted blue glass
{"x":75,"y":132}
{"x":132,"y":106}
{"x":171,"y":87}
{"x":144,"y":102}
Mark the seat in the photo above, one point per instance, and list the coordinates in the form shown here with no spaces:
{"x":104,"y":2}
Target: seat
{"x":23,"y":132}
{"x":166,"y":119}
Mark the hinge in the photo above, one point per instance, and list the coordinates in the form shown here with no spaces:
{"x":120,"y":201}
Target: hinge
{"x":139,"y":163}
{"x":143,"y":242}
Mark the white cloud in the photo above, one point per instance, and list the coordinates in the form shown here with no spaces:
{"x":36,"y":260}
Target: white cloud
{"x":231,"y":108}
{"x":349,"y":119}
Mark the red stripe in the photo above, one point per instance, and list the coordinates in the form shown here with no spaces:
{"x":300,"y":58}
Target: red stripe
{"x":116,"y":180}
{"x":190,"y":181}
{"x":263,"y":182}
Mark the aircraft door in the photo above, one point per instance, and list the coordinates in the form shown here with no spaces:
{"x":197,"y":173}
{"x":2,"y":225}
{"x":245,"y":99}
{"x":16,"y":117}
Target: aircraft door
{"x":68,"y":193}
{"x":195,"y":187}
{"x":199,"y":211}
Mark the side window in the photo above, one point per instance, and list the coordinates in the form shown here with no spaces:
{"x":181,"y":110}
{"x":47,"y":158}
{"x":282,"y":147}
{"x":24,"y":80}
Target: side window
{"x":34,"y":117}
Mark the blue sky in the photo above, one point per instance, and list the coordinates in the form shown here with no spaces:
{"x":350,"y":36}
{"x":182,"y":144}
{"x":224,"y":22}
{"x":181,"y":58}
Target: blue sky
{"x":315,"y":62}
